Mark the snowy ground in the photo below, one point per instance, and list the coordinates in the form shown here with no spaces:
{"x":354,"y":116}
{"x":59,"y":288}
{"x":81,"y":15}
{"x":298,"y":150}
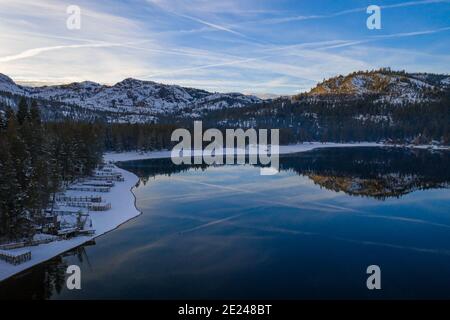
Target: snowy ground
{"x":307,"y":146}
{"x":123,"y":209}
{"x":126,"y":156}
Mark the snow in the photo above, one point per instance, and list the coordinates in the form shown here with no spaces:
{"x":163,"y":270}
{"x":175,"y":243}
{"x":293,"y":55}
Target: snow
{"x":393,"y":89}
{"x":123,"y":209}
{"x":421,"y":84}
{"x":8,"y":85}
{"x":446,"y":81}
{"x":128,"y":101}
{"x":131,"y":98}
{"x":424,"y":146}
{"x":137,"y":101}
{"x":136,"y":155}
{"x":374,"y":118}
{"x":43,"y":237}
{"x":284,"y":149}
{"x":14,"y":252}
{"x":360,"y":83}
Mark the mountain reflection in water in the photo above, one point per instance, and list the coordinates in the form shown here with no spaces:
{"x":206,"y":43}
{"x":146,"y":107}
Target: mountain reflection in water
{"x":308,"y":232}
{"x":374,"y":172}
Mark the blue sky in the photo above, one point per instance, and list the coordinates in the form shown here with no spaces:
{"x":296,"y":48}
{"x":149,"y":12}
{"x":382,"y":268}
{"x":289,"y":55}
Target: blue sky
{"x":256,"y":46}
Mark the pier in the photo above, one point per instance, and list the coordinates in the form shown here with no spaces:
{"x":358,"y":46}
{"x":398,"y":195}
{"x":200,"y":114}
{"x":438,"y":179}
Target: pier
{"x":93,"y":206}
{"x":108,"y":184}
{"x":107,"y":177}
{"x":15,"y":257}
{"x":64,"y":198}
{"x":89,"y":188}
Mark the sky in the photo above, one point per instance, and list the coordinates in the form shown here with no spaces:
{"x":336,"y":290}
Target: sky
{"x":250,"y":46}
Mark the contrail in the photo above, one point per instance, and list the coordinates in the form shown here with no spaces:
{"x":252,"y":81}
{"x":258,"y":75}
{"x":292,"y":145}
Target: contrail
{"x":220,"y":28}
{"x":338,"y":238}
{"x":387,"y":36}
{"x":349,"y":11}
{"x":209,"y":24}
{"x":330,"y":208}
{"x":339,"y":44}
{"x":36,"y":51}
{"x":411,"y":34}
{"x":220,"y":64}
{"x":212,"y":25}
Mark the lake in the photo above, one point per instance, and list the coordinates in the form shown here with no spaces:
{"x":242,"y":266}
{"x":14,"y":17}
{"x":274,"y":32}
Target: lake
{"x":311,"y":231}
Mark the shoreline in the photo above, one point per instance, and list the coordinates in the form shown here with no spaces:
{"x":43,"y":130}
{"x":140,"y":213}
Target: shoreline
{"x":124,"y":208}
{"x":283,"y":149}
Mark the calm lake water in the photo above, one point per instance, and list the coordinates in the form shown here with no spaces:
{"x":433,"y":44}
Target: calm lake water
{"x":308,"y":232}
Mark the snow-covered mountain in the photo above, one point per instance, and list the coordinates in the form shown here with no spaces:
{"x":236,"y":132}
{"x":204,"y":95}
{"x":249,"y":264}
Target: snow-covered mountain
{"x":8,"y":85}
{"x":390,"y":86}
{"x":140,"y":101}
{"x":129,"y":100}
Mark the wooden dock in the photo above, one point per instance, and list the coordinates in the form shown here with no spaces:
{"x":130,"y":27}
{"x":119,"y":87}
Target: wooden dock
{"x":89,"y":188}
{"x":93,"y":206}
{"x":100,"y":206}
{"x":21,"y":244}
{"x":66,"y":212}
{"x":73,"y":232}
{"x":108,"y":184}
{"x":107,"y":178}
{"x":15,"y":257}
{"x":64,"y":198}
{"x":107,"y":173}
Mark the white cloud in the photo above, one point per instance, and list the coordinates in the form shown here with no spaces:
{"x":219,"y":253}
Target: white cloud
{"x":203,"y":45}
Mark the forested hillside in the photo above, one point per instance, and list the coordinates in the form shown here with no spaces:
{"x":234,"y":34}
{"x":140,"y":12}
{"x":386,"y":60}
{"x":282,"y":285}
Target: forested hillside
{"x":366,"y":119}
{"x":380,"y":105}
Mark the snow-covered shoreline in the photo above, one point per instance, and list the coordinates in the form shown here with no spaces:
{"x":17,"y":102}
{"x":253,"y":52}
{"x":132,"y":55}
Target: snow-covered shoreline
{"x":122,"y":209}
{"x":307,"y":146}
{"x":284,"y":149}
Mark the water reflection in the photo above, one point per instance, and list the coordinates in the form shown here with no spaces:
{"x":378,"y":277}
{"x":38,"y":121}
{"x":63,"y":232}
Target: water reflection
{"x":374,"y":172}
{"x":44,"y":280}
{"x":308,"y":232}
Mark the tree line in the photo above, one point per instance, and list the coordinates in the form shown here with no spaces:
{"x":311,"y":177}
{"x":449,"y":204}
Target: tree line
{"x":344,"y":119}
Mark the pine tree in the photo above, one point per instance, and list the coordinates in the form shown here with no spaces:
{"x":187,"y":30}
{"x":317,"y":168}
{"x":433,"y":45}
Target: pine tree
{"x":22,"y":111}
{"x":35,"y":114}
